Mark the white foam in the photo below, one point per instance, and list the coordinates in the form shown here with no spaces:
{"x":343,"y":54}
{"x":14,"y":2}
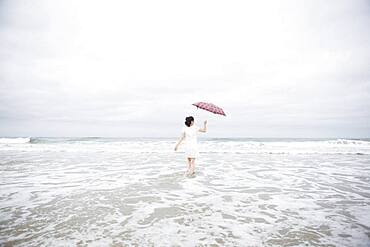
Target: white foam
{"x":339,"y":146}
{"x":18,"y":140}
{"x":103,"y":193}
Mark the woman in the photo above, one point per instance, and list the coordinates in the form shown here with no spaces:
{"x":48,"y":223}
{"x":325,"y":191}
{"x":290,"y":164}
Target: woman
{"x":189,"y":134}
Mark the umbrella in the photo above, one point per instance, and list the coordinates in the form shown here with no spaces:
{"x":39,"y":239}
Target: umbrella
{"x":210,"y":107}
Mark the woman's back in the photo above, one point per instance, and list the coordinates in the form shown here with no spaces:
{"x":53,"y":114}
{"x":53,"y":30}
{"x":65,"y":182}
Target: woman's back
{"x":190,"y":134}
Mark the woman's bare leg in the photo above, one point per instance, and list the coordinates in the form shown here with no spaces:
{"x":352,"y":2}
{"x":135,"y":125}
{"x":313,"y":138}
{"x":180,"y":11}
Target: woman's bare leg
{"x":192,"y":167}
{"x":189,"y":166}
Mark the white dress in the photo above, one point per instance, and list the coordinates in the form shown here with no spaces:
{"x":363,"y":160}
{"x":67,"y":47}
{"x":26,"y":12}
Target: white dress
{"x":191,"y":143}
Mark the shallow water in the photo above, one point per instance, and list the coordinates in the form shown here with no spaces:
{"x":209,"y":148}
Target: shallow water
{"x":102,"y":192}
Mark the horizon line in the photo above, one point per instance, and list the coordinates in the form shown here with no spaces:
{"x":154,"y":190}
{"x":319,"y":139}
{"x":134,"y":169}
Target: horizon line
{"x":169,"y":137}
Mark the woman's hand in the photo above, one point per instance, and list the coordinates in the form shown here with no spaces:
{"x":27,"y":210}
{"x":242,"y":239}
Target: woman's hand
{"x":204,"y":129}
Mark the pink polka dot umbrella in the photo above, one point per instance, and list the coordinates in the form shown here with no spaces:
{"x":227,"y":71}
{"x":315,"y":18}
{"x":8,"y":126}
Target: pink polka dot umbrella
{"x":210,"y":107}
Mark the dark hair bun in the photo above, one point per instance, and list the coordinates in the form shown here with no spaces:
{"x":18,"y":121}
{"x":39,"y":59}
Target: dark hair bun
{"x":188,"y":120}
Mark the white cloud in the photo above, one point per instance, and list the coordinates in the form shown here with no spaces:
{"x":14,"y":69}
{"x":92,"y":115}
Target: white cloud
{"x":279,"y":68}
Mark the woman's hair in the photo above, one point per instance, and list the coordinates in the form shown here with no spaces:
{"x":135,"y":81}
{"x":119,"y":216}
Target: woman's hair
{"x":188,"y":120}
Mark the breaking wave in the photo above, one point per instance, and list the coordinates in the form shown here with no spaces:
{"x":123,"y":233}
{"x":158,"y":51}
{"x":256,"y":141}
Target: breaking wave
{"x":207,"y":145}
{"x":18,"y":140}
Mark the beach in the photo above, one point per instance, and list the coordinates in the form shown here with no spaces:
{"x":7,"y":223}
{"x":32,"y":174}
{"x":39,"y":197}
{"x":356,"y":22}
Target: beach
{"x":133,"y":192}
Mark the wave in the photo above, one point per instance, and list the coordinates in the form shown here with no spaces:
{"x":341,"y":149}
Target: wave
{"x":348,"y":142}
{"x":228,"y":141}
{"x":18,"y":140}
{"x":206,"y":145}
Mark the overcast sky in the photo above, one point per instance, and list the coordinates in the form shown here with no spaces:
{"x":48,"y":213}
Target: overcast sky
{"x":133,"y":68}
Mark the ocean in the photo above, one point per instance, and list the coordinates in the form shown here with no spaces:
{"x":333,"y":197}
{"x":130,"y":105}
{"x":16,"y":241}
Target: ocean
{"x":133,"y":192}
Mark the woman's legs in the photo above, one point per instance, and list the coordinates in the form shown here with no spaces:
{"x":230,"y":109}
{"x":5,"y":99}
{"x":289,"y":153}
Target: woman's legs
{"x":191,"y":166}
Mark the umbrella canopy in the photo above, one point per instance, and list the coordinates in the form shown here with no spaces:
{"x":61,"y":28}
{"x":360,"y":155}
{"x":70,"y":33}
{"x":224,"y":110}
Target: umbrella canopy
{"x":210,"y":107}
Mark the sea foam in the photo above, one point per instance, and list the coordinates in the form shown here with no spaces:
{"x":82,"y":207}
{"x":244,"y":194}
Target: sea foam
{"x":18,"y":140}
{"x":133,"y":192}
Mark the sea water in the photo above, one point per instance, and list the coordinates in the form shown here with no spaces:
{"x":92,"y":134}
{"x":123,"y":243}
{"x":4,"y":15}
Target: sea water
{"x":133,"y":192}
